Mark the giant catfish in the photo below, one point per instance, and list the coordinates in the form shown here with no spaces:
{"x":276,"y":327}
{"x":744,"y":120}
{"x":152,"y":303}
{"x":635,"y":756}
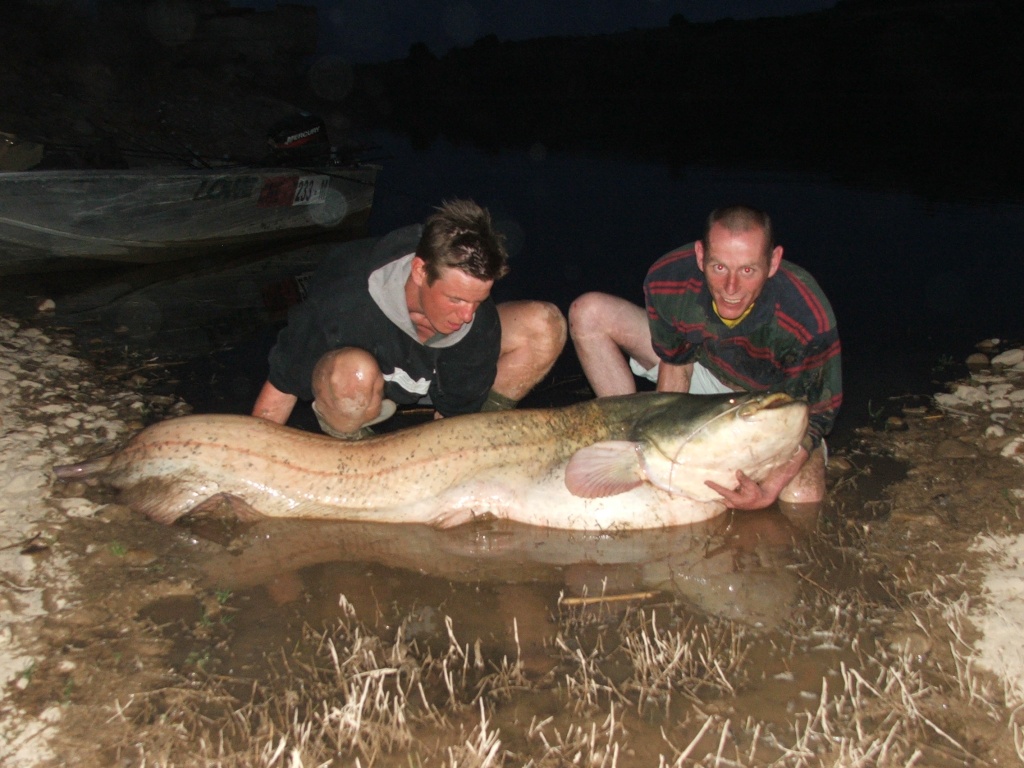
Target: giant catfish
{"x":628,"y":462}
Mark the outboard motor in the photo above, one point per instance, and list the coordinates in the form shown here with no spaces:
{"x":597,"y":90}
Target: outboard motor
{"x":299,"y":139}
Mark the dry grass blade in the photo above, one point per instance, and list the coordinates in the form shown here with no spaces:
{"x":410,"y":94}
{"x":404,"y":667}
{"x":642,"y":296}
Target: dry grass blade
{"x":480,"y":750}
{"x":596,"y":746}
{"x":689,"y":661}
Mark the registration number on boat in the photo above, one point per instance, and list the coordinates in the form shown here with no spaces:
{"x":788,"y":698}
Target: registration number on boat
{"x":285,"y":191}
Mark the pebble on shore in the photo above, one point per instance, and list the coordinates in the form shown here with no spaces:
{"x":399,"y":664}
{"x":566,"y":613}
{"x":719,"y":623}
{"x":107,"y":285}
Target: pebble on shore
{"x":995,"y":387}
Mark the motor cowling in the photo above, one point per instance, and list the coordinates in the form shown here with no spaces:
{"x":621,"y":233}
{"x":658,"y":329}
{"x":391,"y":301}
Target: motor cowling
{"x":299,"y":138}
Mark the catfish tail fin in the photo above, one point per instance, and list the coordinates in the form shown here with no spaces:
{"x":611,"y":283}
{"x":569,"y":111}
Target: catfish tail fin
{"x":83,"y":469}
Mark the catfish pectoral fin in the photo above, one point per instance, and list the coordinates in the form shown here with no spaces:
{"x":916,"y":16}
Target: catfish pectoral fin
{"x":226,"y":505}
{"x":165,"y":499}
{"x":603,"y":469}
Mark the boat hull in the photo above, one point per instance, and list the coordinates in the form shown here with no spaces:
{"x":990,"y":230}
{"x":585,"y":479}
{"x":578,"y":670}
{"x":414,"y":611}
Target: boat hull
{"x":145,"y":216}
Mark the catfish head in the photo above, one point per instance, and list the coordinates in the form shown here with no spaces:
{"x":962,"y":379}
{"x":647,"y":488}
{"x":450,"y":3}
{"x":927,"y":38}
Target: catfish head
{"x":678,"y":441}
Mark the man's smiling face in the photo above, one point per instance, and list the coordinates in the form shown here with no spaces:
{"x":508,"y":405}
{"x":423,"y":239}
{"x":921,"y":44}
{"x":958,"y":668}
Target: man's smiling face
{"x":736,"y":268}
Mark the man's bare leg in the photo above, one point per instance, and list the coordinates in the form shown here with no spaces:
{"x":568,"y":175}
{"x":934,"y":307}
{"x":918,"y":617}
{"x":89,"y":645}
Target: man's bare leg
{"x":532,"y":337}
{"x":809,"y":483}
{"x":801,"y":500}
{"x":606,"y":331}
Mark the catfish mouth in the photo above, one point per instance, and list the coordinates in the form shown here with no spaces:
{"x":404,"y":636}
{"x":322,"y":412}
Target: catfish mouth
{"x":765,"y":403}
{"x":751,"y":410}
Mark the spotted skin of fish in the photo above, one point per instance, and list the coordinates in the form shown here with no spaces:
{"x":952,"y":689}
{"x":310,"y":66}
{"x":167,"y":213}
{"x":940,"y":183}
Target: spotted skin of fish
{"x":630,"y":462}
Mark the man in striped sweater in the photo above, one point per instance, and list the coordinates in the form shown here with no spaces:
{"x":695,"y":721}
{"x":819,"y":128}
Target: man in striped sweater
{"x":723,"y":314}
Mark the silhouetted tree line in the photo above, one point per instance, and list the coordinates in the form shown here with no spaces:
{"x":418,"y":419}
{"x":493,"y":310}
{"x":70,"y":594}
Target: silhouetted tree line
{"x":881,"y":91}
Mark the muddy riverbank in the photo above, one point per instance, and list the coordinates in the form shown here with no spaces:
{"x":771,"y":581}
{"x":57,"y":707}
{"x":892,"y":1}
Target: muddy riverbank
{"x":886,"y":628}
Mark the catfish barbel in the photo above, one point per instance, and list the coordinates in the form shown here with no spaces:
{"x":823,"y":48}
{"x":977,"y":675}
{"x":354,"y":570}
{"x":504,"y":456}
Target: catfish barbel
{"x":627,"y":462}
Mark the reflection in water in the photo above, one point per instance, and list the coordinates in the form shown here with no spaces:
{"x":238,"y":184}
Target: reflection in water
{"x":190,"y":309}
{"x":308,"y":619}
{"x":498,"y":581}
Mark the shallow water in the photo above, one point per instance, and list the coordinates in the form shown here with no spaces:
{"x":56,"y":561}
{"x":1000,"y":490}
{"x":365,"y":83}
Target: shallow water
{"x":726,"y":568}
{"x":659,"y":626}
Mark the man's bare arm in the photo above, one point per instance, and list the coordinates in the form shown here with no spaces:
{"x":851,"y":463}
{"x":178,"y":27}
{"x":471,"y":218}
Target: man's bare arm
{"x":274,"y":405}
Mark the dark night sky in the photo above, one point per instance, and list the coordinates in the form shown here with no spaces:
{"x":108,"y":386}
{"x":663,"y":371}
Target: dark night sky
{"x":378,"y":30}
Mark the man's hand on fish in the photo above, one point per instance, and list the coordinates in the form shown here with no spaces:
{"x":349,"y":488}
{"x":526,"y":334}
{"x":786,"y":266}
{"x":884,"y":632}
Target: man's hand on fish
{"x":749,"y":495}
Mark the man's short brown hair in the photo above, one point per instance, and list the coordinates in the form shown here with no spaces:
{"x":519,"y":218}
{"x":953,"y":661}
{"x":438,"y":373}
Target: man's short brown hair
{"x":461,"y":235}
{"x":741,"y":218}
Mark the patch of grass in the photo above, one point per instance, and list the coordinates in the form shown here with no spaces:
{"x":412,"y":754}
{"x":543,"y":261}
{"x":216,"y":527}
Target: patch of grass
{"x":943,"y":365}
{"x":198,"y":659}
